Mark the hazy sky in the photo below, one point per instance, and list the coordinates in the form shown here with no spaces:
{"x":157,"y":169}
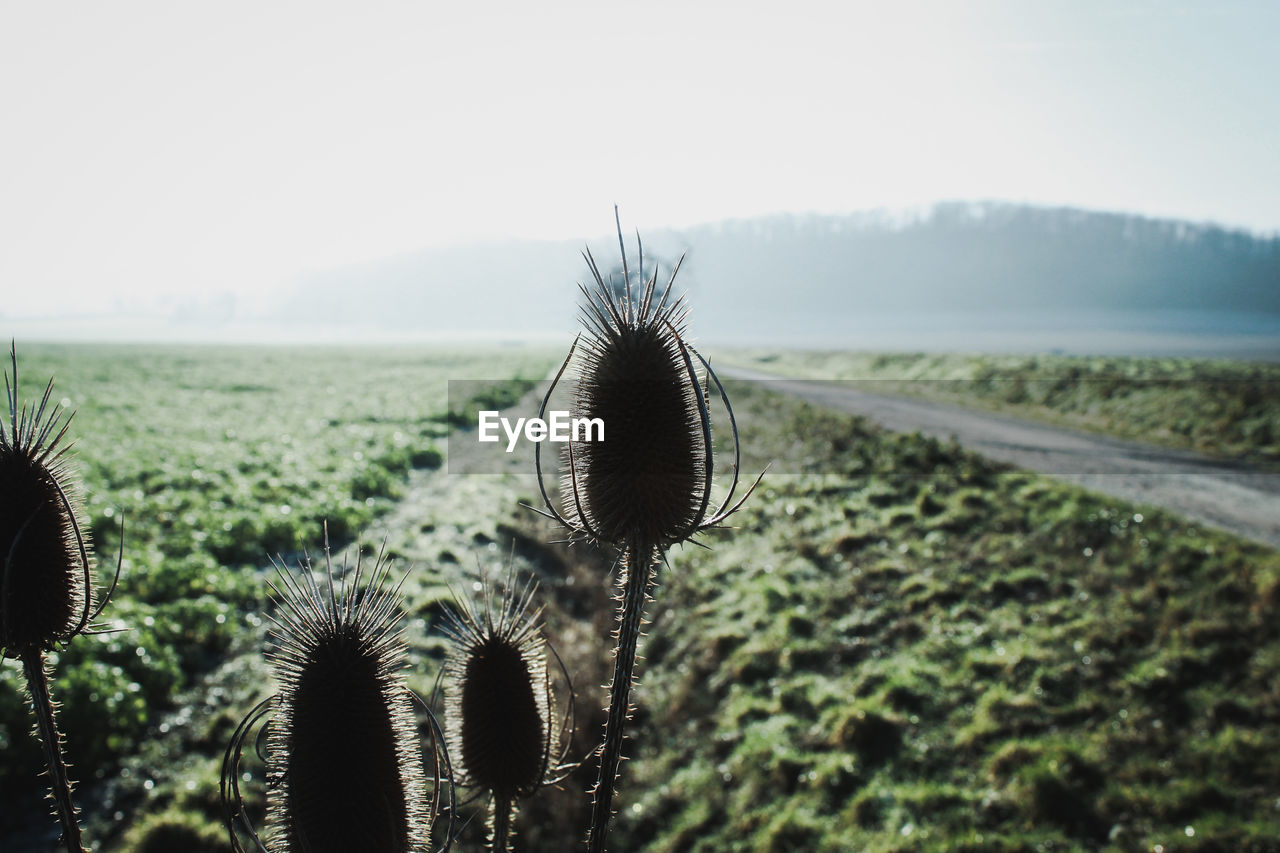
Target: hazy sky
{"x":154,"y":149}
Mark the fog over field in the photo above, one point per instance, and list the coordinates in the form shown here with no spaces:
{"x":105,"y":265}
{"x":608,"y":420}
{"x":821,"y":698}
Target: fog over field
{"x":954,"y":276}
{"x":959,"y":276}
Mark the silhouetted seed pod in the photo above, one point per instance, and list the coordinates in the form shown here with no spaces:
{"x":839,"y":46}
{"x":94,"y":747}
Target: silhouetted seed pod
{"x":646,"y":479}
{"x":647,"y":483}
{"x":44,"y":558}
{"x":503,"y":734}
{"x":344,"y":765}
{"x":498,"y":703}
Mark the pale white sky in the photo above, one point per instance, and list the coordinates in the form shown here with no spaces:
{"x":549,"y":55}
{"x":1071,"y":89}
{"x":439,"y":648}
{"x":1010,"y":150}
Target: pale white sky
{"x":152,"y":150}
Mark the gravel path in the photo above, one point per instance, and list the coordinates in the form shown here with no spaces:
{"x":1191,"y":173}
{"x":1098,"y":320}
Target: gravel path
{"x":1229,"y":495}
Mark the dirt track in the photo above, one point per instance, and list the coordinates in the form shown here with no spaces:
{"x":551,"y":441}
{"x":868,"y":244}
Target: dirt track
{"x":1225,"y":494}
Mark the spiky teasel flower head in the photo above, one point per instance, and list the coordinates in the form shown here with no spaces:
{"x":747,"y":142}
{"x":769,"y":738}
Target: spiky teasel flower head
{"x":649,"y":479}
{"x":45,"y":562}
{"x":647,"y":476}
{"x":344,"y":765}
{"x":499,"y":701}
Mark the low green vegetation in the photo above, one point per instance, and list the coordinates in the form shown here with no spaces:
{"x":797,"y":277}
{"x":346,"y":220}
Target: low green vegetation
{"x":215,"y":460}
{"x":1223,"y":408}
{"x":909,"y":648}
{"x":478,"y":396}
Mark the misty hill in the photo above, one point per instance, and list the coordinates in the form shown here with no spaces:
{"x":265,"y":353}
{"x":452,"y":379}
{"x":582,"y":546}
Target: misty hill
{"x":787,"y":276}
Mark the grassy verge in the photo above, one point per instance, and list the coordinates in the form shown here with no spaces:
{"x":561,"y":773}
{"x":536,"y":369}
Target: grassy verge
{"x":1222,"y":408}
{"x":908,"y":648}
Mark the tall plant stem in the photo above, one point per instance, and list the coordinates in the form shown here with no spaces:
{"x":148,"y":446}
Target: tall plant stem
{"x":501,"y":825}
{"x":639,"y":560}
{"x":59,"y":781}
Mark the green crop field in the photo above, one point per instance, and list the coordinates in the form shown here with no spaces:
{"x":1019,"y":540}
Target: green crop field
{"x":901,"y":647}
{"x":216,"y":460}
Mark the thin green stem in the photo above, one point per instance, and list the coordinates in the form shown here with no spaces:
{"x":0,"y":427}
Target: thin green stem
{"x":59,"y":781}
{"x":640,"y":559}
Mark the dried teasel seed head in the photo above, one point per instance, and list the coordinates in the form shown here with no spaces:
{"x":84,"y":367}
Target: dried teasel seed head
{"x":498,"y":697}
{"x":503,"y":734}
{"x":344,"y":765}
{"x":647,"y":480}
{"x":45,"y":562}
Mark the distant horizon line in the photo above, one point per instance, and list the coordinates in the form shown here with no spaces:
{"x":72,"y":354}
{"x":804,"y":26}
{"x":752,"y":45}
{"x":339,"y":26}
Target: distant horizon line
{"x":1255,"y":338}
{"x":902,"y":215}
